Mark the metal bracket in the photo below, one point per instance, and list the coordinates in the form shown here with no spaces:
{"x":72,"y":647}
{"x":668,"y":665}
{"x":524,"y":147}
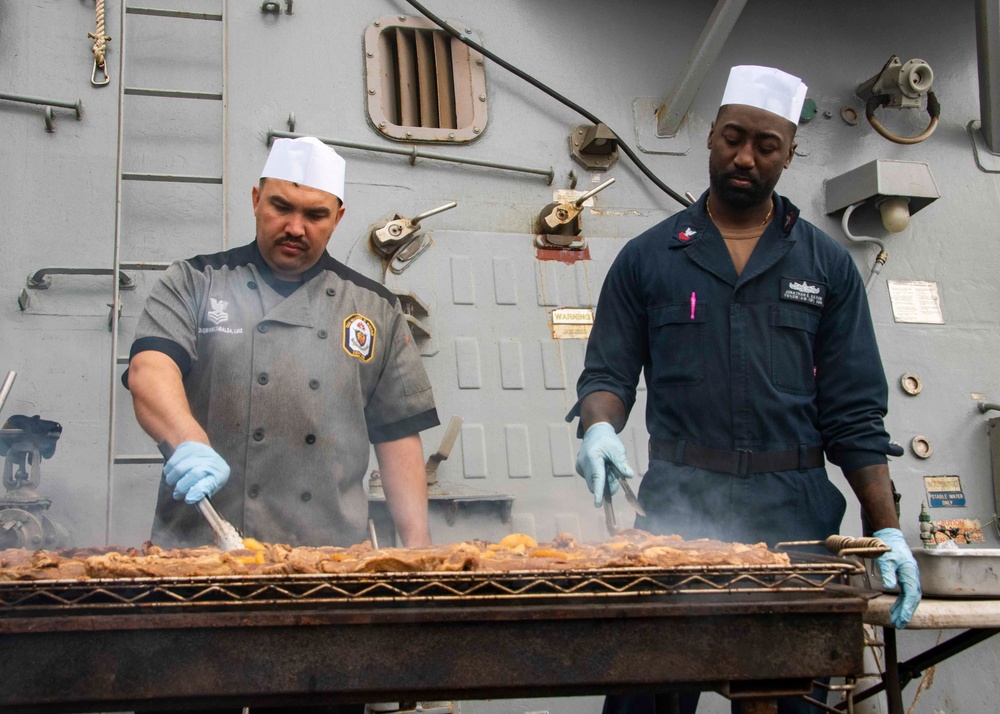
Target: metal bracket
{"x":111,"y":315}
{"x":404,"y":257}
{"x":594,"y":146}
{"x":415,"y":310}
{"x":444,"y":448}
{"x":273,"y":7}
{"x":543,"y":242}
{"x":986,"y":161}
{"x":644,"y":116}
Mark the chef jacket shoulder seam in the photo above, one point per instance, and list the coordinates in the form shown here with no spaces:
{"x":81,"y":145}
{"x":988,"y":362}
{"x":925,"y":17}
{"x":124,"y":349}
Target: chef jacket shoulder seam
{"x":234,"y":258}
{"x":352,"y":276}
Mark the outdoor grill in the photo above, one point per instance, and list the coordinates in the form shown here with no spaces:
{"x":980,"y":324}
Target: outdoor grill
{"x":749,"y":632}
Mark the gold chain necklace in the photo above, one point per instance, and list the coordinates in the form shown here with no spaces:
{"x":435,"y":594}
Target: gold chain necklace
{"x":763,"y":223}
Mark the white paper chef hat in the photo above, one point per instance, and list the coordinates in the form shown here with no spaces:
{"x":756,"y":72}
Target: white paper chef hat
{"x":766,"y":88}
{"x":306,"y":161}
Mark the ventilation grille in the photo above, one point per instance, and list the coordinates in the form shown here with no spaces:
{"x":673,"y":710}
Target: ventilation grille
{"x":423,"y":85}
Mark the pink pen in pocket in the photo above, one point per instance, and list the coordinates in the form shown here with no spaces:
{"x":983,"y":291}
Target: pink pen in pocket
{"x":694,"y":301}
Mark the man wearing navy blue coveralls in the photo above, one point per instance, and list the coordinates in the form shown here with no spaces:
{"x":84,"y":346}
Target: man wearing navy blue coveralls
{"x":752,"y":330}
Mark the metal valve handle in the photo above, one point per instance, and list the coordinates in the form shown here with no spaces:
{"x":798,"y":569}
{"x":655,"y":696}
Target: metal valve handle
{"x":433,"y":212}
{"x":578,"y":203}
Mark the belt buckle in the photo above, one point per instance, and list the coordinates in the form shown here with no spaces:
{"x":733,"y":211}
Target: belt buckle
{"x":745,"y":462}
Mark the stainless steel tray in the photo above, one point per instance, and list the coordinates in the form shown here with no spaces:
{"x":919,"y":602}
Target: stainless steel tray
{"x":962,"y":573}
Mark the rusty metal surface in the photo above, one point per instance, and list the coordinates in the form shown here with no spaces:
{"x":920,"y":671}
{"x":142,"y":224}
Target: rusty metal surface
{"x":280,"y":656}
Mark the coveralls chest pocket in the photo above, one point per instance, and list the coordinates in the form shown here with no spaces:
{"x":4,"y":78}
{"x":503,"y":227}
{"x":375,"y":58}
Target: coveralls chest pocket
{"x":793,"y":337}
{"x":677,"y":343}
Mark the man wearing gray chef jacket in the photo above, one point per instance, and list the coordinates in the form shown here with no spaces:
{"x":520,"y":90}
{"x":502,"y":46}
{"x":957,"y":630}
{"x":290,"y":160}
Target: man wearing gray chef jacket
{"x":752,"y":330}
{"x":271,"y":367}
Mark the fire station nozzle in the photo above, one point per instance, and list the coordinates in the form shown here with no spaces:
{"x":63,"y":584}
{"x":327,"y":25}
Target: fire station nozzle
{"x":387,"y":238}
{"x":563,"y":219}
{"x":900,"y":86}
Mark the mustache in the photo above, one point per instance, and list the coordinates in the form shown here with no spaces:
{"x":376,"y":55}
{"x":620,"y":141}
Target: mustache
{"x":290,"y":240}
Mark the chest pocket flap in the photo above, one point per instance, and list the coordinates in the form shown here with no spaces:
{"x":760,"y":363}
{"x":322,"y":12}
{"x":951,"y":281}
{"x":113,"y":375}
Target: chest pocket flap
{"x":793,"y":337}
{"x":677,"y":343}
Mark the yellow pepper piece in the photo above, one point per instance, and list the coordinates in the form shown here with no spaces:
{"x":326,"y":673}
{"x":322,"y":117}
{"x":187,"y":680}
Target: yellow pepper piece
{"x":252,"y":544}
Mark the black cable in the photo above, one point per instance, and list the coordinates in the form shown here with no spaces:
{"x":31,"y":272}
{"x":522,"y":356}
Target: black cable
{"x":552,"y":93}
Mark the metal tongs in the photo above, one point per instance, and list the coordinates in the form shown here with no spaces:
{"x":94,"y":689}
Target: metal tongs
{"x":227,"y":537}
{"x":609,"y":510}
{"x":844,"y":545}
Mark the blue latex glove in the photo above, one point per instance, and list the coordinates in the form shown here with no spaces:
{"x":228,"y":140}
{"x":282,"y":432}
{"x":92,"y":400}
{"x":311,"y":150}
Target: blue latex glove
{"x":195,"y":470}
{"x":899,"y":565}
{"x":600,"y":450}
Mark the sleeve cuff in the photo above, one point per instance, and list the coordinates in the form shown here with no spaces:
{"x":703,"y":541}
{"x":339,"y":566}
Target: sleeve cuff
{"x":574,"y":412}
{"x":159,"y":344}
{"x":851,"y":461}
{"x":404,"y":427}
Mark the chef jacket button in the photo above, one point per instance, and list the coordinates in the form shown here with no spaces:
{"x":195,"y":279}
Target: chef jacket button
{"x":262,"y":379}
{"x":252,"y":285}
{"x":253,"y":492}
{"x":306,"y":496}
{"x":331,"y":292}
{"x":310,"y":438}
{"x":258,"y":435}
{"x":313,"y":384}
{"x":322,"y":334}
{"x":262,"y":327}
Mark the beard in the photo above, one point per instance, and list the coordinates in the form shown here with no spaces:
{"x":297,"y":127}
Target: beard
{"x":739,"y":197}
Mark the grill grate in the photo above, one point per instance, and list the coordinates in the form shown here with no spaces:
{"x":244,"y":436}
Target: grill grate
{"x":21,"y":598}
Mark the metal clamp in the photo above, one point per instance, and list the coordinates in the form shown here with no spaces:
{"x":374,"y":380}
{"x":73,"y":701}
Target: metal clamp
{"x":399,"y":240}
{"x":559,"y":223}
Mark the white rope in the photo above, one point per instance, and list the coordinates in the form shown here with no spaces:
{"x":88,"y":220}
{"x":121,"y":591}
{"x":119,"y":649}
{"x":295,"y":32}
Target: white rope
{"x":100,"y":46}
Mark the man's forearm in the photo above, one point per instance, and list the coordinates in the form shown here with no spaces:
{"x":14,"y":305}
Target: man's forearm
{"x":873,"y":488}
{"x":404,"y":480}
{"x":160,"y":403}
{"x":602,"y":406}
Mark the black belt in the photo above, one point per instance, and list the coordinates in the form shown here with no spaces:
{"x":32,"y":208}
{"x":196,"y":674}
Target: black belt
{"x":741,"y":462}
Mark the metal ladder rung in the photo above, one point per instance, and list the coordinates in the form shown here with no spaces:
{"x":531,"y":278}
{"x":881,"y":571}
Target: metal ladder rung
{"x":171,"y":178}
{"x":138,"y":460}
{"x":184,"y":14}
{"x":172,"y":93}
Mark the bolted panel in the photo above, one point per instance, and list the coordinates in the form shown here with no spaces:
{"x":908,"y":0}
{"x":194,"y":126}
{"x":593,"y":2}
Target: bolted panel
{"x":561,"y":450}
{"x":586,"y":296}
{"x":568,"y":523}
{"x":546,"y":283}
{"x":474,"y":451}
{"x":511,"y":365}
{"x":573,"y":354}
{"x":505,"y":281}
{"x":523,"y":523}
{"x":470,"y":373}
{"x":552,"y":371}
{"x":463,"y":291}
{"x":518,"y":450}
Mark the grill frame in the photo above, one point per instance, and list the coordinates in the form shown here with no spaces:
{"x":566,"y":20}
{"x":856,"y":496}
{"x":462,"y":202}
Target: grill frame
{"x":807,"y":573}
{"x":745,"y":641}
